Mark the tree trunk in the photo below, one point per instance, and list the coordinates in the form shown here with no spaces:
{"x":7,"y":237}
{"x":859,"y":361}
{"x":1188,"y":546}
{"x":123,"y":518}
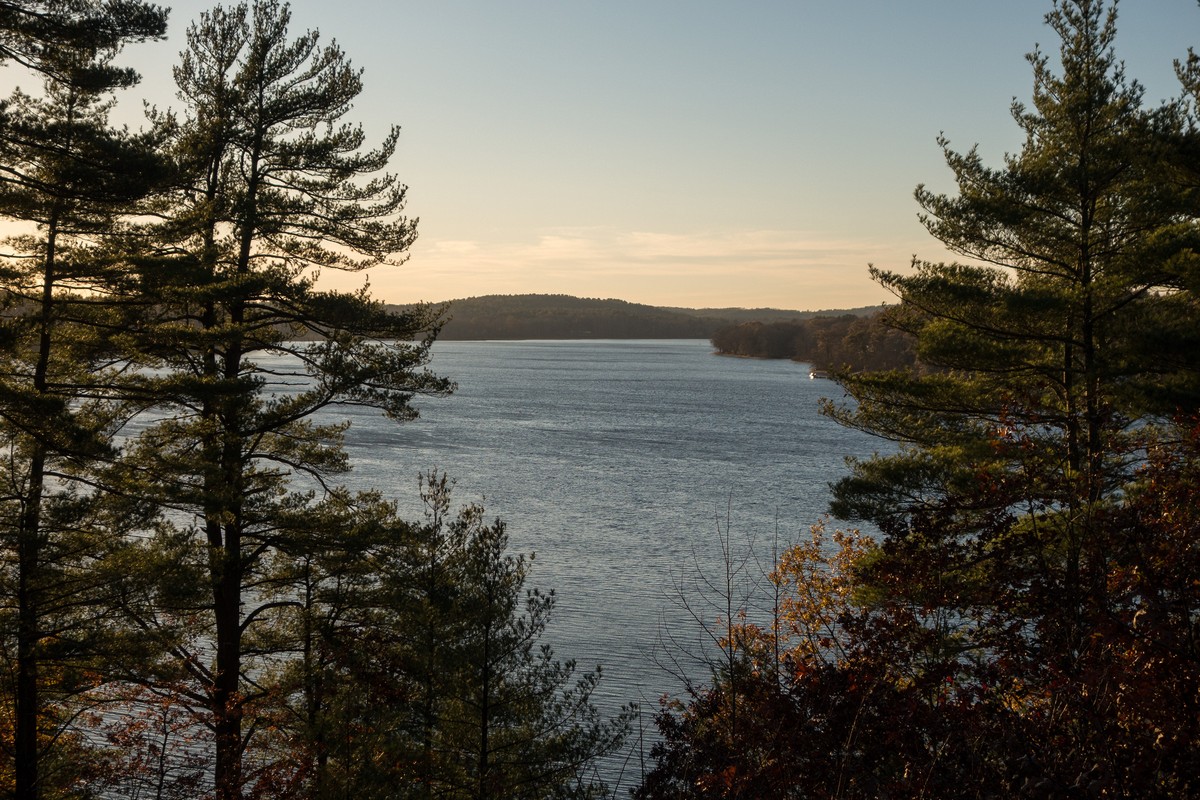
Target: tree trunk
{"x":226,"y":699}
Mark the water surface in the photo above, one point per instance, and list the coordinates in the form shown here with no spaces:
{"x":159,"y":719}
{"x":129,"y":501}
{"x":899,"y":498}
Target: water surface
{"x":621,"y":464}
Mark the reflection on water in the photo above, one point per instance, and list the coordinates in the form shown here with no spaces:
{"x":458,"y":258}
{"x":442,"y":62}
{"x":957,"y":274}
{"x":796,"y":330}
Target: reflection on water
{"x":623,"y":465}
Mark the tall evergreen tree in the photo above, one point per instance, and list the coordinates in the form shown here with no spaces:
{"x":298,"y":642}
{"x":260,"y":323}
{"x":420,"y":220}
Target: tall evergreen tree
{"x":1021,"y":627}
{"x":424,"y":673}
{"x":274,"y":187}
{"x":1053,"y":357}
{"x":71,"y":179}
{"x":1039,"y":380}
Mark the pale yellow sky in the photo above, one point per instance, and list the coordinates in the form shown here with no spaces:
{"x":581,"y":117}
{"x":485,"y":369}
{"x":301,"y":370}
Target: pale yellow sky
{"x":731,"y":268}
{"x":692,"y":153}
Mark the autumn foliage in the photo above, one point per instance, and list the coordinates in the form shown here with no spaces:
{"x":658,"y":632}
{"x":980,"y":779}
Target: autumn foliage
{"x":1023,"y":620}
{"x":881,"y":681}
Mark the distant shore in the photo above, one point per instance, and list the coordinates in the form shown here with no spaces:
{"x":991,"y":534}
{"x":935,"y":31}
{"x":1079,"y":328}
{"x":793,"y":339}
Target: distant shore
{"x":550,"y":316}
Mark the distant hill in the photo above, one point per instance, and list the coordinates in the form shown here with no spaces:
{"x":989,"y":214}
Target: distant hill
{"x":558,"y":316}
{"x":775,"y":314}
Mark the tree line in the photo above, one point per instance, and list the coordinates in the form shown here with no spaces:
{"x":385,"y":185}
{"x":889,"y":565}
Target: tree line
{"x":1024,"y":623}
{"x":844,"y":342}
{"x":193,"y":606}
{"x":542,"y":316}
{"x":560,"y":316}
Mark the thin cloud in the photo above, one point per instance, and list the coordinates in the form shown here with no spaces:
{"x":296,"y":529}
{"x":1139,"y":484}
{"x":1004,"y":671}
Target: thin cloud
{"x":782,"y":268}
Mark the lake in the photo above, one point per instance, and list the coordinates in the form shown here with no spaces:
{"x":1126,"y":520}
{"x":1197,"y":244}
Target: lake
{"x":635,"y":470}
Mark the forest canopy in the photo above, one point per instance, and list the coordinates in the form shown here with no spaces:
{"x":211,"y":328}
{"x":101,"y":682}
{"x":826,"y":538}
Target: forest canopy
{"x":559,"y":316}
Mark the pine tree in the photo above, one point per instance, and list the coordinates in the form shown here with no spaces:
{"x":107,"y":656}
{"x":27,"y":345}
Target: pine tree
{"x":1022,"y":626}
{"x":273,"y":187}
{"x":1038,"y":376}
{"x":71,"y":179}
{"x":1052,"y":358}
{"x":426,"y":674}
{"x":37,"y":33}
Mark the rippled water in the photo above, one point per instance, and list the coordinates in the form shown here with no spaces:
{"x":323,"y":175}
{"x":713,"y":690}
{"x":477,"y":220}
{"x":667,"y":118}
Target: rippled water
{"x":622,"y":465}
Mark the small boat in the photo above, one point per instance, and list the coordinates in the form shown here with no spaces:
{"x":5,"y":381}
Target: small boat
{"x":817,"y":373}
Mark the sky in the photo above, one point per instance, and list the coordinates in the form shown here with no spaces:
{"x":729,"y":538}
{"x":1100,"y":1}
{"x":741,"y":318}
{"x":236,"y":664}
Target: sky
{"x":682,"y":152}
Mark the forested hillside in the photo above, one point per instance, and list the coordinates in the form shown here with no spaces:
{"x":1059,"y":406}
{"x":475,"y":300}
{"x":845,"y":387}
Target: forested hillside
{"x":556,"y":316}
{"x":543,"y":316}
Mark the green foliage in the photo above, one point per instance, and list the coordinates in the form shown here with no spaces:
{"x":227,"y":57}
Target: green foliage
{"x":269,"y":185}
{"x":1039,"y":366}
{"x":1010,"y":634}
{"x":199,"y":608}
{"x":72,"y":180}
{"x":46,"y":35}
{"x":849,"y":342}
{"x":422,"y":669}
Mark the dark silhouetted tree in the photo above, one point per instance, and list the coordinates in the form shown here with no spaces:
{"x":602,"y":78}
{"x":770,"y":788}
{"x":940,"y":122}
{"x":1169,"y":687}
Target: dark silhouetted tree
{"x":273,"y":186}
{"x":994,"y":643}
{"x":73,"y":182}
